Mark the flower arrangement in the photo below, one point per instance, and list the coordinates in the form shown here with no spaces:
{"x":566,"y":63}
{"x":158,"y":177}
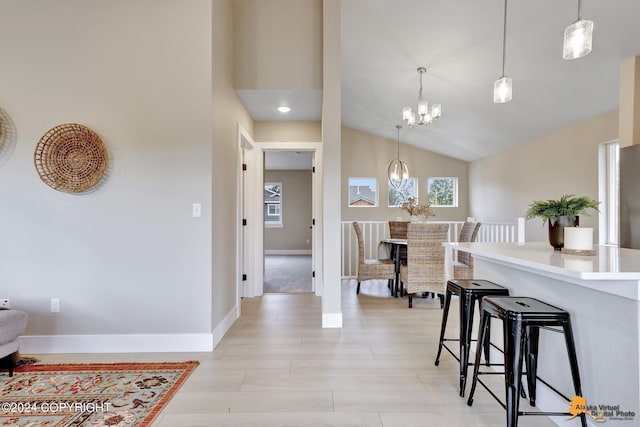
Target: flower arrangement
{"x":413,"y":208}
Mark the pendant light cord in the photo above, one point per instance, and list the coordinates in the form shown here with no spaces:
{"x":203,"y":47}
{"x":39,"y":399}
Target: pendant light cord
{"x":398,"y":153}
{"x":579,"y":10}
{"x":504,"y":38}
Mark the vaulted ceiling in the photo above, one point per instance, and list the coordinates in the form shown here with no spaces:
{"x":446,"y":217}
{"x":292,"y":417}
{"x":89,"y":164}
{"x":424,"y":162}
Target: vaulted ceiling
{"x":460,"y":44}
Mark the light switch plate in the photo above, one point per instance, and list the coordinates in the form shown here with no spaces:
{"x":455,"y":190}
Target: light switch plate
{"x":197,"y":210}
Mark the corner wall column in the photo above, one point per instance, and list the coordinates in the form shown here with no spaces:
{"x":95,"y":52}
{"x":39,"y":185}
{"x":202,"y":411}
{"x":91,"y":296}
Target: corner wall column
{"x":629,"y":104}
{"x":331,"y":152}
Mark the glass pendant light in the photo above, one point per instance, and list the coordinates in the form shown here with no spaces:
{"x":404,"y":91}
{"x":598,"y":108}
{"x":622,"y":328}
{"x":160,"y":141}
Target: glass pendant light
{"x":578,"y":37}
{"x":503,"y":87}
{"x":398,"y":171}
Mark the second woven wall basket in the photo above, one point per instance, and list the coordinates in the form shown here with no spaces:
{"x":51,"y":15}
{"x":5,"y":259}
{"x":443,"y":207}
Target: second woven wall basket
{"x":71,"y":158}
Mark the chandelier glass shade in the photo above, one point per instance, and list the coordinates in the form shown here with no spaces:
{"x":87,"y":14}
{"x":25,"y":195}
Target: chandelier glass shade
{"x":398,"y":171}
{"x":578,"y":37}
{"x":425,"y":115}
{"x":503,"y":87}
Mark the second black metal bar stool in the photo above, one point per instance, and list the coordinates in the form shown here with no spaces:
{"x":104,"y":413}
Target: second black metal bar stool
{"x":469,"y":292}
{"x":522,"y":318}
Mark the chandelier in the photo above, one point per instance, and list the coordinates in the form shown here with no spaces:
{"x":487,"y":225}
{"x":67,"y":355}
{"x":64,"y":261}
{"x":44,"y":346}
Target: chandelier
{"x":426,"y":115}
{"x":398,"y":171}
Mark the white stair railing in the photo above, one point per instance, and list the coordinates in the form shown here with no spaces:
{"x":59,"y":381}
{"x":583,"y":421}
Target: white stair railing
{"x":374,"y":231}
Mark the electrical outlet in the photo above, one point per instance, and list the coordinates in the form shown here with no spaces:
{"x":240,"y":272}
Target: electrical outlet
{"x":4,"y":302}
{"x":55,"y":305}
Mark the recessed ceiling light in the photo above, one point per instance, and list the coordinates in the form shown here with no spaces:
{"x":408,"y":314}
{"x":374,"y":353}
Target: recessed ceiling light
{"x":284,"y":109}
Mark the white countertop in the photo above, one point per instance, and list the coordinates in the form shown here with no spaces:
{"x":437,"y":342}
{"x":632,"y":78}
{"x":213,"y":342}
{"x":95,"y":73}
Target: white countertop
{"x":610,"y":264}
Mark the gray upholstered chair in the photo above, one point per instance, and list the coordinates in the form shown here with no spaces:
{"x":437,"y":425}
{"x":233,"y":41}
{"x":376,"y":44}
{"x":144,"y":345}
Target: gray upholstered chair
{"x":463,"y":265}
{"x":425,"y":269}
{"x":12,"y":324}
{"x":372,"y":269}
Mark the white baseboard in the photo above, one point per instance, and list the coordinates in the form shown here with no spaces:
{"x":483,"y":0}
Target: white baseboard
{"x":127,"y":343}
{"x":287,"y":252}
{"x":332,"y":320}
{"x":134,"y":343}
{"x":224,"y":325}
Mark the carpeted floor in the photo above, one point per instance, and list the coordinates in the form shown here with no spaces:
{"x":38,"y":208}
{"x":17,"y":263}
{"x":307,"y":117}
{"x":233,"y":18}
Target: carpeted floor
{"x":99,"y":394}
{"x":287,"y":274}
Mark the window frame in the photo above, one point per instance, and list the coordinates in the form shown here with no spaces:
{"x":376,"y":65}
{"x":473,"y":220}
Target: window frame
{"x":609,"y":192}
{"x":415,"y":192}
{"x":455,"y":190}
{"x":375,"y":190}
{"x":279,"y":223}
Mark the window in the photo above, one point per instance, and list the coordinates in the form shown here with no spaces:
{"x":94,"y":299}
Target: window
{"x":443,"y":191}
{"x":273,"y":204}
{"x":397,"y":196}
{"x":362,"y":192}
{"x":273,"y":209}
{"x":609,"y":160}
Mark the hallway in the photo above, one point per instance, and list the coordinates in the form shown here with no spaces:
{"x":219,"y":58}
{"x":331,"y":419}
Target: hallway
{"x":288,"y":274}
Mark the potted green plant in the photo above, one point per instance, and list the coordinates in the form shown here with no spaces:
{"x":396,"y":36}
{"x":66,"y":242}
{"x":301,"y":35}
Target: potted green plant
{"x":561,"y":213}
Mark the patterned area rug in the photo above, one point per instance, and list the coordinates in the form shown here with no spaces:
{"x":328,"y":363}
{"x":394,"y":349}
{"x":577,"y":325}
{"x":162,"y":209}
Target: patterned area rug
{"x":97,"y":394}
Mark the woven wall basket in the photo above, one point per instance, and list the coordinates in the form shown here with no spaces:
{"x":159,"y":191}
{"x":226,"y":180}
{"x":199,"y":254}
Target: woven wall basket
{"x":3,"y":129}
{"x":71,"y":158}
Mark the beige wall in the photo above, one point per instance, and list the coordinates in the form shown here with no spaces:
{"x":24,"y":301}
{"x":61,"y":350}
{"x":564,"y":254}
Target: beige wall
{"x":287,"y":132}
{"x":138,"y":72}
{"x":629,"y":102}
{"x":228,"y":113}
{"x":563,"y":162}
{"x":289,"y":58}
{"x":366,"y":155}
{"x":295,"y":234}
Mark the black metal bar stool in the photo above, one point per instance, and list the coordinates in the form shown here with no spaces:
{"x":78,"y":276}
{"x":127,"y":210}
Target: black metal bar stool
{"x":469,"y":292}
{"x":522,"y":318}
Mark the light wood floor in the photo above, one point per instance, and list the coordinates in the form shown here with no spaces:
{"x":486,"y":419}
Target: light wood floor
{"x":278,"y":367}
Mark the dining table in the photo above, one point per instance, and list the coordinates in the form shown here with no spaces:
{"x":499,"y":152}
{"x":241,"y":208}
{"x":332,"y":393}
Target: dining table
{"x":395,"y":244}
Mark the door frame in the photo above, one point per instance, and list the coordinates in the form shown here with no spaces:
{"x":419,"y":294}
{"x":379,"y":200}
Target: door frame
{"x":254,"y":230}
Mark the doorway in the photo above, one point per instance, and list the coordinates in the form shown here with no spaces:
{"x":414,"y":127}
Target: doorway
{"x":288,"y":221}
{"x":252,"y":214}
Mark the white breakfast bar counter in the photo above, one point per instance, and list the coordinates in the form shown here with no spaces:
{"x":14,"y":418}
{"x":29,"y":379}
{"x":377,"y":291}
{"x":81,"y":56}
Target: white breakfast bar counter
{"x":602,"y":294}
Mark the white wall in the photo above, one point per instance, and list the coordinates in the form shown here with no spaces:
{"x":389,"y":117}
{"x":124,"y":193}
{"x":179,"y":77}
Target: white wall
{"x":329,"y":225}
{"x":563,"y":162}
{"x":127,"y":258}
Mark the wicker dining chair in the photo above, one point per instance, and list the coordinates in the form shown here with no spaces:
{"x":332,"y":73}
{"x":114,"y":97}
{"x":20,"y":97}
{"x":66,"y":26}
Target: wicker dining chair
{"x":425,"y":269}
{"x":372,"y":269}
{"x":463,"y":266}
{"x":398,"y":230}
